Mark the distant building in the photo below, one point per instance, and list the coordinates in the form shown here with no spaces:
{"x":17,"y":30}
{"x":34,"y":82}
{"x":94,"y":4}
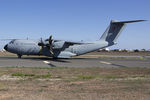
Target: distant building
{"x":104,"y":49}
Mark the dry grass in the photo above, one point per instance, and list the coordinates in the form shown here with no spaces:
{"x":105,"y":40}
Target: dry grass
{"x":6,"y":54}
{"x":75,"y":84}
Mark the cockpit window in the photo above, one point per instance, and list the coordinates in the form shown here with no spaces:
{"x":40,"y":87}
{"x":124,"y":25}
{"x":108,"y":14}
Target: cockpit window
{"x":11,"y":42}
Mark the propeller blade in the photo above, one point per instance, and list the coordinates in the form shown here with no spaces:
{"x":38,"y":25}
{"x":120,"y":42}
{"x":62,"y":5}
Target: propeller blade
{"x":50,"y":45}
{"x":50,"y":40}
{"x":41,"y":42}
{"x":51,"y":50}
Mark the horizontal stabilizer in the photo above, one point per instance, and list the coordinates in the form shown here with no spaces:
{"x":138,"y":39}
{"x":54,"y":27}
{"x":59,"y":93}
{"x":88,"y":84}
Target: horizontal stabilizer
{"x":133,"y":21}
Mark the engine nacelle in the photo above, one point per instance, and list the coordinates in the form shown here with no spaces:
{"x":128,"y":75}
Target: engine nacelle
{"x":43,"y":43}
{"x":58,"y":45}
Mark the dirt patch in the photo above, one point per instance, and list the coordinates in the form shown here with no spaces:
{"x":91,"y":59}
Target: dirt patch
{"x":75,"y":83}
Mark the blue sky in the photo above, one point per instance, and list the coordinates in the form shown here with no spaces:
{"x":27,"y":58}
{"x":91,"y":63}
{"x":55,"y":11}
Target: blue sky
{"x":74,"y":20}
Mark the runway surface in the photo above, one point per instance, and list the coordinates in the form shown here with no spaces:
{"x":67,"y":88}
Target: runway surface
{"x":74,"y":62}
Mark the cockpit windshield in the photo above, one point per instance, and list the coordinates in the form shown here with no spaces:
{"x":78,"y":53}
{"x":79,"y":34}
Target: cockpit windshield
{"x":11,"y":42}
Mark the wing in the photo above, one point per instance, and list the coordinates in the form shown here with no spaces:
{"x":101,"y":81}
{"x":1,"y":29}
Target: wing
{"x":71,"y":43}
{"x":60,"y":44}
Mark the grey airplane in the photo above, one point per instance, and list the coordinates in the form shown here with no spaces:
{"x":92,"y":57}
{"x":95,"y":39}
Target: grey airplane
{"x":66,"y":49}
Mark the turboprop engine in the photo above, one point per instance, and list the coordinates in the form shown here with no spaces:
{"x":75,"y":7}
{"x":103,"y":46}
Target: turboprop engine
{"x":47,"y":43}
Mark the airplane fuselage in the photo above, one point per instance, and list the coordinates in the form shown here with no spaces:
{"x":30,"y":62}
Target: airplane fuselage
{"x":31,"y":47}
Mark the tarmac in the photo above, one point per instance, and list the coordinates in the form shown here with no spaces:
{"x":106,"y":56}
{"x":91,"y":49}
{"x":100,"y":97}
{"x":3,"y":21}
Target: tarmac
{"x":81,"y":61}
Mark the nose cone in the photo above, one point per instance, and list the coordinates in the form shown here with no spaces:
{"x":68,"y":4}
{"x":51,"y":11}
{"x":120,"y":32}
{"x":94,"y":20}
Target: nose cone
{"x":6,"y":47}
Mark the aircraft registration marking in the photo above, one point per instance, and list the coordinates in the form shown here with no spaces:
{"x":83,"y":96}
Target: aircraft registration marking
{"x":46,"y":62}
{"x":105,"y":62}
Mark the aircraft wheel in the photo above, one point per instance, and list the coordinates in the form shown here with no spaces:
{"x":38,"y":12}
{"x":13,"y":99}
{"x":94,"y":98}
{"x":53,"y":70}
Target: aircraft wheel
{"x":19,"y":56}
{"x":55,"y":58}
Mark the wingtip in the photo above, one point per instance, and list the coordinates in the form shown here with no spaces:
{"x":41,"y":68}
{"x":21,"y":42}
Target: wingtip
{"x":141,"y":20}
{"x":145,"y":20}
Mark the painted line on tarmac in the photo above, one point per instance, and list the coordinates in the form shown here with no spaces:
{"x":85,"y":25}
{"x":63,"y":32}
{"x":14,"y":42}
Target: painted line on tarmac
{"x":46,"y":62}
{"x":103,"y":62}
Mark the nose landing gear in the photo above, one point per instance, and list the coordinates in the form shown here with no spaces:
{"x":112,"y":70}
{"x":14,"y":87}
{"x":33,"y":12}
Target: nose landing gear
{"x":19,"y":55}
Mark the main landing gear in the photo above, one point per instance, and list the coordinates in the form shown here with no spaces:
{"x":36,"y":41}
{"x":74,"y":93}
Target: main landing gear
{"x":19,"y":55}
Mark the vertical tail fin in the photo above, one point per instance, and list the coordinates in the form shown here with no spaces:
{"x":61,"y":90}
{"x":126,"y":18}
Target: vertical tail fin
{"x":114,"y":30}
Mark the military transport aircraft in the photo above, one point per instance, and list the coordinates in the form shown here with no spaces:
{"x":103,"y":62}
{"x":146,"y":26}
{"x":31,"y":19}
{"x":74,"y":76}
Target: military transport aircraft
{"x":66,"y":49}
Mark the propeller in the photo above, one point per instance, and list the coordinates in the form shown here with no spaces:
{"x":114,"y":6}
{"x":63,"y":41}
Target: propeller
{"x":49,"y":45}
